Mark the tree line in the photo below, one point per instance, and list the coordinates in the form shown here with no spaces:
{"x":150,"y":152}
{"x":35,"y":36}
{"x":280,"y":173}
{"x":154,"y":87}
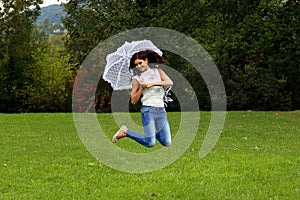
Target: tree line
{"x":255,"y":45}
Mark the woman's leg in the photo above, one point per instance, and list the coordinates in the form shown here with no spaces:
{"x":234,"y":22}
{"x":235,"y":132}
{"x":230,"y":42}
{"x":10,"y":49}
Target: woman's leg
{"x":148,"y":138}
{"x":163,"y":134}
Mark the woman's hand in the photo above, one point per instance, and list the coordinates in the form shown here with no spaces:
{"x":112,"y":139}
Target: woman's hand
{"x":142,"y":83}
{"x":145,"y":85}
{"x":149,"y":85}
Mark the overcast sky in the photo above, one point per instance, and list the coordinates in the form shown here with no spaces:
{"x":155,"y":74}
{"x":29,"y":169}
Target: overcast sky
{"x":51,"y":2}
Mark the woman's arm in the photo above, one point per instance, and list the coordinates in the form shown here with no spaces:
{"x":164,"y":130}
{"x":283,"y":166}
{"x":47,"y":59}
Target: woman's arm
{"x":136,"y":91}
{"x":166,"y":81}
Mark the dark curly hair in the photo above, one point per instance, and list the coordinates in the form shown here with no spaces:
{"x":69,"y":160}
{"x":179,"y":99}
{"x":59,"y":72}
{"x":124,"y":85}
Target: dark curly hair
{"x":153,"y":60}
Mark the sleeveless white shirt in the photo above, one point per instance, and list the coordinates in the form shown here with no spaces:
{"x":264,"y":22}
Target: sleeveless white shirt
{"x":151,"y":96}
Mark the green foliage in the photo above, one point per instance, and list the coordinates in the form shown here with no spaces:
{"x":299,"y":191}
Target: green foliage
{"x":256,"y":157}
{"x":254,"y":43}
{"x":252,"y":46}
{"x":16,"y":22}
{"x":35,"y":74}
{"x":51,"y":90}
{"x":90,"y":22}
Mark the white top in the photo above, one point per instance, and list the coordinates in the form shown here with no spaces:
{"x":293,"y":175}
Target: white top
{"x":151,"y":96}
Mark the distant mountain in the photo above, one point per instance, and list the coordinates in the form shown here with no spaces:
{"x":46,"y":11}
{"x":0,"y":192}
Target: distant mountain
{"x":54,"y":13}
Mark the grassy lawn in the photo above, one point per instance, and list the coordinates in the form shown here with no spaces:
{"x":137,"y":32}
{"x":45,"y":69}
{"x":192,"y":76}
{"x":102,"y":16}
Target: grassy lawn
{"x":256,"y":157}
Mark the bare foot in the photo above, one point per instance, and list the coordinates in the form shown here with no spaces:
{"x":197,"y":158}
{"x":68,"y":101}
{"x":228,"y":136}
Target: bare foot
{"x":120,"y":134}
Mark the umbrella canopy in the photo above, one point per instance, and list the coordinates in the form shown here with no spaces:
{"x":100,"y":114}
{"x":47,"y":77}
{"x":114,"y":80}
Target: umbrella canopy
{"x":117,"y":71}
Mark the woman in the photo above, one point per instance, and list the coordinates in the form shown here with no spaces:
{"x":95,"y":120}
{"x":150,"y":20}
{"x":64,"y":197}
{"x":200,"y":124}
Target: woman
{"x":148,"y":82}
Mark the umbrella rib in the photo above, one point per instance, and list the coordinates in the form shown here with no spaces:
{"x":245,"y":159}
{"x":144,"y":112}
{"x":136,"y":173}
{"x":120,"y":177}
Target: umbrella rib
{"x":118,"y":79}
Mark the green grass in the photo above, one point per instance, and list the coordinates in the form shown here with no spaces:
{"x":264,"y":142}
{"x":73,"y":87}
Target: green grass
{"x":256,"y":157}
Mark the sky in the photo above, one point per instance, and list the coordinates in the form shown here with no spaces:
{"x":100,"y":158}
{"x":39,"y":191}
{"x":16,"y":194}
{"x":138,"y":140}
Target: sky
{"x":47,"y":2}
{"x":51,"y":2}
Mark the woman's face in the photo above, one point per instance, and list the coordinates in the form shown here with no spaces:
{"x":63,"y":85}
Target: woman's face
{"x":141,"y":65}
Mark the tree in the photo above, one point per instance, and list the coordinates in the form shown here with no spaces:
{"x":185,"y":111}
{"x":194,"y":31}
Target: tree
{"x":254,"y":43}
{"x":47,"y":27}
{"x":35,"y":74}
{"x":51,"y":89}
{"x":251,"y":44}
{"x":90,"y":22}
{"x":16,"y":22}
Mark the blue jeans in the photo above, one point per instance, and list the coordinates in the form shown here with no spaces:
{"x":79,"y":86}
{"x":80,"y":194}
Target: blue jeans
{"x":156,"y":126}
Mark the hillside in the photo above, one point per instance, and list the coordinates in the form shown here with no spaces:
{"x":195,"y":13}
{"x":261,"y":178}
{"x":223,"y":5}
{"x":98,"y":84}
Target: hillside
{"x":54,"y":13}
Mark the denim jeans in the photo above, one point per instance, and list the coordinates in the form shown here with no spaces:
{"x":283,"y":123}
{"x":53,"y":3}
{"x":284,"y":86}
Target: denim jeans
{"x":156,"y":126}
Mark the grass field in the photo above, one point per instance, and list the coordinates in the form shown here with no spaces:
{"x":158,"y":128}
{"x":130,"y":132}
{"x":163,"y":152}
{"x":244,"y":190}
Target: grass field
{"x":256,"y":157}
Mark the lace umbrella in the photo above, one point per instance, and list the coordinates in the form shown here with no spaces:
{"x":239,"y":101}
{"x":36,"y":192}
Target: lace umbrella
{"x":117,"y":71}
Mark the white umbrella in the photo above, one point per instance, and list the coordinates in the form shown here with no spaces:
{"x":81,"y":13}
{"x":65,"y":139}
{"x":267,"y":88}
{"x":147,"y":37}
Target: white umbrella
{"x":117,"y":71}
